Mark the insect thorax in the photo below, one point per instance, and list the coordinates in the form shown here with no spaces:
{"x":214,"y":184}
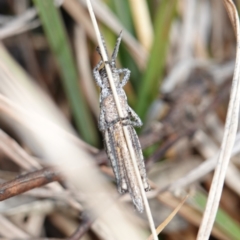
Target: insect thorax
{"x":110,"y":108}
{"x":105,"y":80}
{"x":106,"y":89}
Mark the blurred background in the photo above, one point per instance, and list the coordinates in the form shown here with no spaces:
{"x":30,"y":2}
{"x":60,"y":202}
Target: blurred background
{"x":181,"y":55}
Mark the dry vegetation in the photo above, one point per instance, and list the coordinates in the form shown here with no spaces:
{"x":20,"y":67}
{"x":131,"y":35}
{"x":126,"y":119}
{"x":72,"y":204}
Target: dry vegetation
{"x":55,"y":179}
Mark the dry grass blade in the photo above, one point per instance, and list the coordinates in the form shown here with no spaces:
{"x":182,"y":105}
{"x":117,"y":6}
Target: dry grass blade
{"x":19,"y":22}
{"x":9,"y":230}
{"x":57,"y":38}
{"x":228,"y":139}
{"x":142,"y":22}
{"x":9,"y":108}
{"x":193,"y":214}
{"x":169,"y":218}
{"x":203,"y":169}
{"x":125,"y":129}
{"x":77,"y":12}
{"x":85,"y":70}
{"x":47,"y":136}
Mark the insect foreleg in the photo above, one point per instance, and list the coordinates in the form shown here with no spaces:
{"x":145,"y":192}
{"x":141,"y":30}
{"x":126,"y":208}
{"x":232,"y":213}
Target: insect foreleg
{"x":136,"y":121}
{"x":140,"y":159}
{"x":126,"y":76}
{"x":109,"y":146}
{"x":116,"y":156}
{"x":97,"y":75}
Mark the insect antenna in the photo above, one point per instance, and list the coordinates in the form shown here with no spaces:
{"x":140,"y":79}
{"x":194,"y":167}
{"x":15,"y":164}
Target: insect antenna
{"x":104,"y":44}
{"x":116,"y":48}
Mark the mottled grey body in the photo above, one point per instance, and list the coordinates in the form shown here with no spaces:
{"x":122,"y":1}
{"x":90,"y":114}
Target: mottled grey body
{"x":112,"y":128}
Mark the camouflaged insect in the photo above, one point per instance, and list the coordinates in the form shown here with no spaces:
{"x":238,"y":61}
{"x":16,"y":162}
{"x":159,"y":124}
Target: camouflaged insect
{"x":111,"y":126}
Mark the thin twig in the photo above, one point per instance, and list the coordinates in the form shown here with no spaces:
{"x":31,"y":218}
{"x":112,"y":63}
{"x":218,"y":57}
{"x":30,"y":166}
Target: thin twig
{"x":27,"y":182}
{"x":125,"y":129}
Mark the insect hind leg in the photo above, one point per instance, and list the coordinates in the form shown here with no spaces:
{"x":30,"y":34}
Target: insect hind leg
{"x":140,"y":159}
{"x":116,"y":163}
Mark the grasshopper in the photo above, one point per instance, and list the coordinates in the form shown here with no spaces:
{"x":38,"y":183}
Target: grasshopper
{"x":111,"y":126}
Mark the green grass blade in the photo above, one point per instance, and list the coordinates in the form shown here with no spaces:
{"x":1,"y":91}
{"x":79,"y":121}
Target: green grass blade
{"x":57,"y":38}
{"x":149,"y":86}
{"x":223,"y":220}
